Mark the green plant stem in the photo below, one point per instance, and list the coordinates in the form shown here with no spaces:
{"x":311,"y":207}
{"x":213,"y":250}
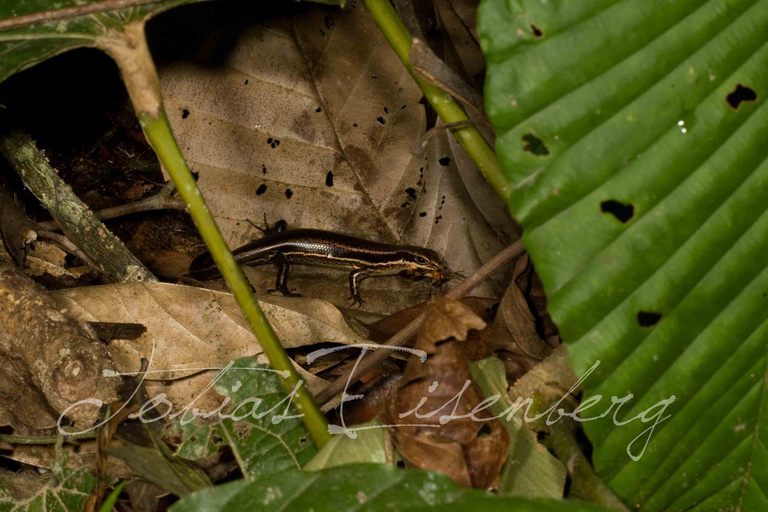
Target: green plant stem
{"x":39,"y":440}
{"x":128,"y":47}
{"x":159,"y":135}
{"x":446,"y":107}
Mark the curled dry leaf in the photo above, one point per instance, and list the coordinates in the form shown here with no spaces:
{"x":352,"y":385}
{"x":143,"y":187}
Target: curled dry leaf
{"x":192,"y":332}
{"x":514,"y":334}
{"x":50,"y":353}
{"x":431,"y":409}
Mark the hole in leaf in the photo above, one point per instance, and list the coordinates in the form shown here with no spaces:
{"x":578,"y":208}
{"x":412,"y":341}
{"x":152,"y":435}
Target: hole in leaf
{"x":621,"y":211}
{"x":484,"y":431}
{"x":536,"y":31}
{"x":740,"y":94}
{"x":648,"y":318}
{"x":535,"y":145}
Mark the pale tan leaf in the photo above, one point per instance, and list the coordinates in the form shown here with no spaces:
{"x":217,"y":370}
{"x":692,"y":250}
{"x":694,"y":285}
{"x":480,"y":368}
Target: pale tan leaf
{"x":191,"y":330}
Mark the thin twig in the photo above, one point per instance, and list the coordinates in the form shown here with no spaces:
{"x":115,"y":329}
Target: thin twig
{"x":373,"y":359}
{"x":163,"y":200}
{"x":68,"y":246}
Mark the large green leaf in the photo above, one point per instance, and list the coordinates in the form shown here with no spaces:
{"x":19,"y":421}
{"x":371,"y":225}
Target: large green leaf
{"x":634,"y":135}
{"x":360,"y":487}
{"x":34,"y":30}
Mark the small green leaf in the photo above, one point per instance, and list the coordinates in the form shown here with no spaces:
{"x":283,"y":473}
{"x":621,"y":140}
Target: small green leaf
{"x":153,"y":465}
{"x":368,"y":446}
{"x":109,"y":502}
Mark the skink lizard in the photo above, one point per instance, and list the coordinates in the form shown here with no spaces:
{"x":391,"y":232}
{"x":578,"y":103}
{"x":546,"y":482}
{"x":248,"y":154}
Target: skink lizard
{"x":362,"y":258}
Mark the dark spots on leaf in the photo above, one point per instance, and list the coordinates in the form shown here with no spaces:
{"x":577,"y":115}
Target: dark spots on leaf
{"x":263,"y":169}
{"x":536,"y":31}
{"x":445,"y":161}
{"x":402,"y":107}
{"x":246,"y":81}
{"x":374,"y":77}
{"x":184,"y":113}
{"x":354,"y":125}
{"x":273,"y":143}
{"x":288,"y":193}
{"x":411,"y":192}
{"x":438,"y":218}
{"x":621,"y":211}
{"x":329,"y":179}
{"x":386,"y":110}
{"x":534,"y":145}
{"x":319,"y":109}
{"x":740,"y":94}
{"x":422,"y":214}
{"x":648,"y":318}
{"x":262,"y":188}
{"x":381,"y":120}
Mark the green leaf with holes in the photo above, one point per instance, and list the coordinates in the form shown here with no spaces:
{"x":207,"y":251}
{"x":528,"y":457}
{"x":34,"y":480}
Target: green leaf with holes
{"x":634,"y":136}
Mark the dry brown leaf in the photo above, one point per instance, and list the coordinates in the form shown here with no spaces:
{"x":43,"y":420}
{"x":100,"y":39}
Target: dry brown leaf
{"x":455,"y":227}
{"x":311,"y":119}
{"x":432,"y":406}
{"x":193,"y":329}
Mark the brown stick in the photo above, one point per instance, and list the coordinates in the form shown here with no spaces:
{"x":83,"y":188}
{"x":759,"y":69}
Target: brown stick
{"x":79,"y":223}
{"x":163,"y":200}
{"x":375,"y":358}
